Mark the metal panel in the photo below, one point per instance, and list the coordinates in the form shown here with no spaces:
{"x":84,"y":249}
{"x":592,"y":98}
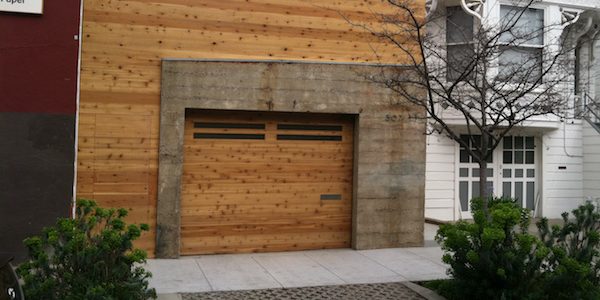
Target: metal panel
{"x":309,"y":127}
{"x":302,"y":137}
{"x":233,"y":136}
{"x":331,"y":197}
{"x":228,"y":125}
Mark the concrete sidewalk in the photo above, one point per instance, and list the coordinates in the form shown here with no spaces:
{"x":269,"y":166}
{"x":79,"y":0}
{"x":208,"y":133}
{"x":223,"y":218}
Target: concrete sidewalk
{"x":296,"y":269}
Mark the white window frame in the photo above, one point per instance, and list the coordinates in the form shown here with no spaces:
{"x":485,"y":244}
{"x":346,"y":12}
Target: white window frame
{"x":541,"y":47}
{"x":446,"y":30}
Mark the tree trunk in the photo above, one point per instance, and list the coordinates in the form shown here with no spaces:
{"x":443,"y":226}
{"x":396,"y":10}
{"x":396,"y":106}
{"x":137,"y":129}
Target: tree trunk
{"x":483,"y":192}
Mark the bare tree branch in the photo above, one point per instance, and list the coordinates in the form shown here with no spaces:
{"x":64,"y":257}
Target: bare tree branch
{"x":496,"y":77}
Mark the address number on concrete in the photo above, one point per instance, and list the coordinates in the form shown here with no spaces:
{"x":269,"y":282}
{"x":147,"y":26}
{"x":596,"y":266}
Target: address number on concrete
{"x":393,"y":118}
{"x":22,"y":6}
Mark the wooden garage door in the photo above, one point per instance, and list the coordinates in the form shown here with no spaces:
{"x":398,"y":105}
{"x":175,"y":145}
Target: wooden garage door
{"x":256,"y":182}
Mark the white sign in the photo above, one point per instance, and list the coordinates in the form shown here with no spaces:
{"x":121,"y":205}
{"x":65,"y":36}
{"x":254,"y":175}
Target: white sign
{"x":22,"y":6}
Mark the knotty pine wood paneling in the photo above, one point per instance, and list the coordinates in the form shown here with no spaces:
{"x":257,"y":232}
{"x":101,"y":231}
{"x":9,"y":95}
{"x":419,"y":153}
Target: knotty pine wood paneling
{"x":264,"y":194}
{"x":124,"y":41}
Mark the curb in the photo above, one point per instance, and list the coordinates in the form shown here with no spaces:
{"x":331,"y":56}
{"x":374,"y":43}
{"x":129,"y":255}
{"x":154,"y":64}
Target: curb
{"x":168,"y":297}
{"x":423,"y":292}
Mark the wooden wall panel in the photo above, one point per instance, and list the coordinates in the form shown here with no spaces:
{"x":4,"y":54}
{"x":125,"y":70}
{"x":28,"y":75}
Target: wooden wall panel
{"x":124,"y":41}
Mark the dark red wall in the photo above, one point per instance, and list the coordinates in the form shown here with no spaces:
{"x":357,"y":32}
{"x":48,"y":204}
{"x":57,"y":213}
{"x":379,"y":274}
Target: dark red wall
{"x":38,"y":59}
{"x":38,"y":100}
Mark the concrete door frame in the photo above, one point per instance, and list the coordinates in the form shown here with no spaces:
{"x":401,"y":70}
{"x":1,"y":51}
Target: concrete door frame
{"x":389,"y":161}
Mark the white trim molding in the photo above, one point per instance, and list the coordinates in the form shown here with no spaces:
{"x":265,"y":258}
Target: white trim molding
{"x":569,"y":16}
{"x":430,"y":7}
{"x":473,"y":7}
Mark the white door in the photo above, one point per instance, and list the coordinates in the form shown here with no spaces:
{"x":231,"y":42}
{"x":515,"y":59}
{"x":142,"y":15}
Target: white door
{"x":519,"y":170}
{"x":512,"y":172}
{"x":468,"y":176}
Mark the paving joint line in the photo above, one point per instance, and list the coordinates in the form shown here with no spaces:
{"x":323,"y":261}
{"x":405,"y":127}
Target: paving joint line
{"x":405,"y":279}
{"x":263,"y":267}
{"x":203,"y":273}
{"x":427,"y":258}
{"x":327,"y":269}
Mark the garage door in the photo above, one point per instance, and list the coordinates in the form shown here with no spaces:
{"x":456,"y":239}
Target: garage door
{"x":257,"y":182}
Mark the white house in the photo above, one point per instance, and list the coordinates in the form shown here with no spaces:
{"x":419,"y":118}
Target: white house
{"x":550,"y":165}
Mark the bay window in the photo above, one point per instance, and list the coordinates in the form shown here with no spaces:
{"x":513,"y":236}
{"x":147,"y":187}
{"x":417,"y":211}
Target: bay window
{"x":522,"y":42}
{"x":459,"y":42}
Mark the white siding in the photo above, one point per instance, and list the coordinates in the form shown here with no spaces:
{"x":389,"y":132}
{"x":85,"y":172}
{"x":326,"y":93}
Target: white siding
{"x":439,"y":173}
{"x":562,"y":166}
{"x":562,"y":189}
{"x":595,"y":92}
{"x":591,"y":159}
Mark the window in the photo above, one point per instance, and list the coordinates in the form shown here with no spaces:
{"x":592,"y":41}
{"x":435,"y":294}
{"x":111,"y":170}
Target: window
{"x":459,"y":42}
{"x":518,"y":150}
{"x":474,"y":143}
{"x":523,"y":42}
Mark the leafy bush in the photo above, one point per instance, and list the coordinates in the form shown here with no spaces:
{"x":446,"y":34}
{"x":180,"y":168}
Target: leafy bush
{"x":494,"y":257}
{"x":89,"y":257}
{"x":572,"y":270}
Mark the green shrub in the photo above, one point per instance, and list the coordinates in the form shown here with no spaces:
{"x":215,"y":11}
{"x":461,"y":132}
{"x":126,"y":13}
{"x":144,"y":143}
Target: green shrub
{"x":572,"y":271}
{"x":493,"y":257}
{"x":88,"y":257}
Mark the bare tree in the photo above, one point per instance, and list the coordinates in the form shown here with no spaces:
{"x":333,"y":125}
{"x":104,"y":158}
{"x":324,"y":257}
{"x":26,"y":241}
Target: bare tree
{"x":490,"y":74}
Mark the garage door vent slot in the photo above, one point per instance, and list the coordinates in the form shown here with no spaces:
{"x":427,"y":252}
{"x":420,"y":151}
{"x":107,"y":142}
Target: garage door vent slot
{"x":299,"y":137}
{"x":229,"y":125}
{"x":331,"y":197}
{"x":232,"y":136}
{"x":309,"y":127}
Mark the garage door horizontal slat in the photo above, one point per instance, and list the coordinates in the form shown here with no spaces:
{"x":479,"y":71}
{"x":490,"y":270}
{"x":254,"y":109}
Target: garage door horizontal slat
{"x":291,"y":198}
{"x":265,"y":243}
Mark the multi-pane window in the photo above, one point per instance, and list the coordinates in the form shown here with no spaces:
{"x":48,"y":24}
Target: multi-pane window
{"x":469,"y":171}
{"x":523,"y":42}
{"x":519,"y":170}
{"x":474,"y":143}
{"x":518,"y":150}
{"x":513,"y":174}
{"x":459,"y":42}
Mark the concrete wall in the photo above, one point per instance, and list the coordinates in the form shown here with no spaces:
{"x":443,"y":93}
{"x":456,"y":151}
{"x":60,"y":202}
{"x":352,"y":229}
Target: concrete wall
{"x":388,"y":207}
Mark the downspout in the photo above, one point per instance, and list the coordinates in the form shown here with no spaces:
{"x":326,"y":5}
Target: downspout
{"x":578,"y":35}
{"x":582,"y":32}
{"x":593,"y":41}
{"x":590,"y":59}
{"x":77,"y":99}
{"x":565,"y":141}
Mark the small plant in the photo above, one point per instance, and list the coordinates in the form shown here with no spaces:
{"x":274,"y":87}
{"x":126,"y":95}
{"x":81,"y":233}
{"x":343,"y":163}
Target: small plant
{"x":572,"y":267}
{"x":493,"y":257}
{"x":496,"y":258}
{"x":88,"y":257}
